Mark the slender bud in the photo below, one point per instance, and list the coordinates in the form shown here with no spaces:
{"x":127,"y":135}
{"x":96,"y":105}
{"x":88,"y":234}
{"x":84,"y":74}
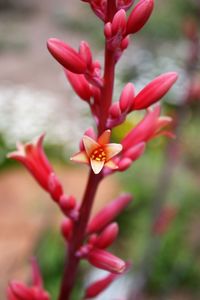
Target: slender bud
{"x":108,"y":236}
{"x":154,"y":91}
{"x":80,"y":85}
{"x":124,"y":43}
{"x":86,"y":53}
{"x":127,"y":96}
{"x":135,"y":152}
{"x":115,"y":111}
{"x":108,"y":30}
{"x":139,"y":16}
{"x":89,"y":132}
{"x":67,"y":228}
{"x":99,"y":286}
{"x":67,"y":203}
{"x":106,"y":261}
{"x":124,"y":164}
{"x":108,"y":213}
{"x":66,"y":56}
{"x":119,"y":22}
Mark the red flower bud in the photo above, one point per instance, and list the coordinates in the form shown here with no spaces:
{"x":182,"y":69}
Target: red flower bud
{"x":108,"y":213}
{"x":115,"y":111}
{"x":124,"y":43}
{"x":139,"y":16}
{"x":124,"y":164}
{"x":80,"y":85}
{"x":154,"y":91}
{"x":135,"y":152}
{"x":108,"y":30}
{"x":127,"y":96}
{"x":119,"y":22}
{"x":67,"y":228}
{"x":106,"y":261}
{"x":66,"y":56}
{"x":67,"y":203}
{"x":99,"y":286}
{"x":86,"y":53}
{"x":108,"y":236}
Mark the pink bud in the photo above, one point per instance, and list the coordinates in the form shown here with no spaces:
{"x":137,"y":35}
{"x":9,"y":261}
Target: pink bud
{"x":108,"y":236}
{"x":67,"y":228}
{"x":108,"y":213}
{"x":67,"y":203}
{"x":135,"y":152}
{"x":54,"y":187}
{"x":115,"y":111}
{"x":124,"y":164}
{"x":106,"y":261}
{"x":127,"y":96}
{"x":80,"y":85}
{"x":89,"y":132}
{"x":124,"y":4}
{"x":124,"y":43}
{"x":86,"y":53}
{"x":119,"y":22}
{"x":66,"y":56}
{"x":154,"y":91}
{"x":139,"y":16}
{"x":99,"y":286}
{"x":108,"y":30}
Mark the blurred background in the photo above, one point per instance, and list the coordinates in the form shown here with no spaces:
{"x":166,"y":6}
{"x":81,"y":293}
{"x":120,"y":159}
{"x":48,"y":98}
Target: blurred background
{"x":160,"y":231}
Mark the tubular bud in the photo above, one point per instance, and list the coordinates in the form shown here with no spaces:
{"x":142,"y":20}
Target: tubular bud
{"x":66,"y":56}
{"x":106,"y":261}
{"x":127,"y":96}
{"x":139,"y":16}
{"x":115,"y":111}
{"x":99,"y":286}
{"x":135,"y":152}
{"x":154,"y":91}
{"x":108,"y":236}
{"x":67,"y":228}
{"x":80,"y":85}
{"x":124,"y":164}
{"x":108,"y":213}
{"x":119,"y":22}
{"x":85,"y":52}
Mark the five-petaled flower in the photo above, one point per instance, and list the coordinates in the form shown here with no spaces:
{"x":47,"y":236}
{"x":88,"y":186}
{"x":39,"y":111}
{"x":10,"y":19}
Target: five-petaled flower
{"x":98,"y":153}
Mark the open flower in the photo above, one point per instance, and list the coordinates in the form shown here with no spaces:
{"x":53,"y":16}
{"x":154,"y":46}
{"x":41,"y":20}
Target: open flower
{"x":98,"y":153}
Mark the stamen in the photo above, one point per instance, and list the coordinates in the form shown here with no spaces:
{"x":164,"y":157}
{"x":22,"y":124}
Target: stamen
{"x":98,"y":155}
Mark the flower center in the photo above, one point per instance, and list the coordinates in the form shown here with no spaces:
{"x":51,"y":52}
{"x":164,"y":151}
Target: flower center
{"x":98,"y":154}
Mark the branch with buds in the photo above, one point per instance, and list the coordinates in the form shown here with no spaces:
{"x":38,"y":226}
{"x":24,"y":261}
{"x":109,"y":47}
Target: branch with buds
{"x":86,"y":239}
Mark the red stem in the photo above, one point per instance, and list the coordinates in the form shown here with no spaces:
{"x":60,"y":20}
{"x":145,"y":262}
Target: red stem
{"x":109,"y":74}
{"x":72,"y":261}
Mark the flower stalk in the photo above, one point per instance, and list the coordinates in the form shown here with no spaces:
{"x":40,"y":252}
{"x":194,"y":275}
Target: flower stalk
{"x":90,"y":239}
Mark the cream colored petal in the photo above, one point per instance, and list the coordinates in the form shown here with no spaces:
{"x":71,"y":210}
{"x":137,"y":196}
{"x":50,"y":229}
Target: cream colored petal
{"x":112,"y":150}
{"x":89,"y":144}
{"x":105,"y":137}
{"x":111,"y":164}
{"x":97,"y":166}
{"x":80,"y":157}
